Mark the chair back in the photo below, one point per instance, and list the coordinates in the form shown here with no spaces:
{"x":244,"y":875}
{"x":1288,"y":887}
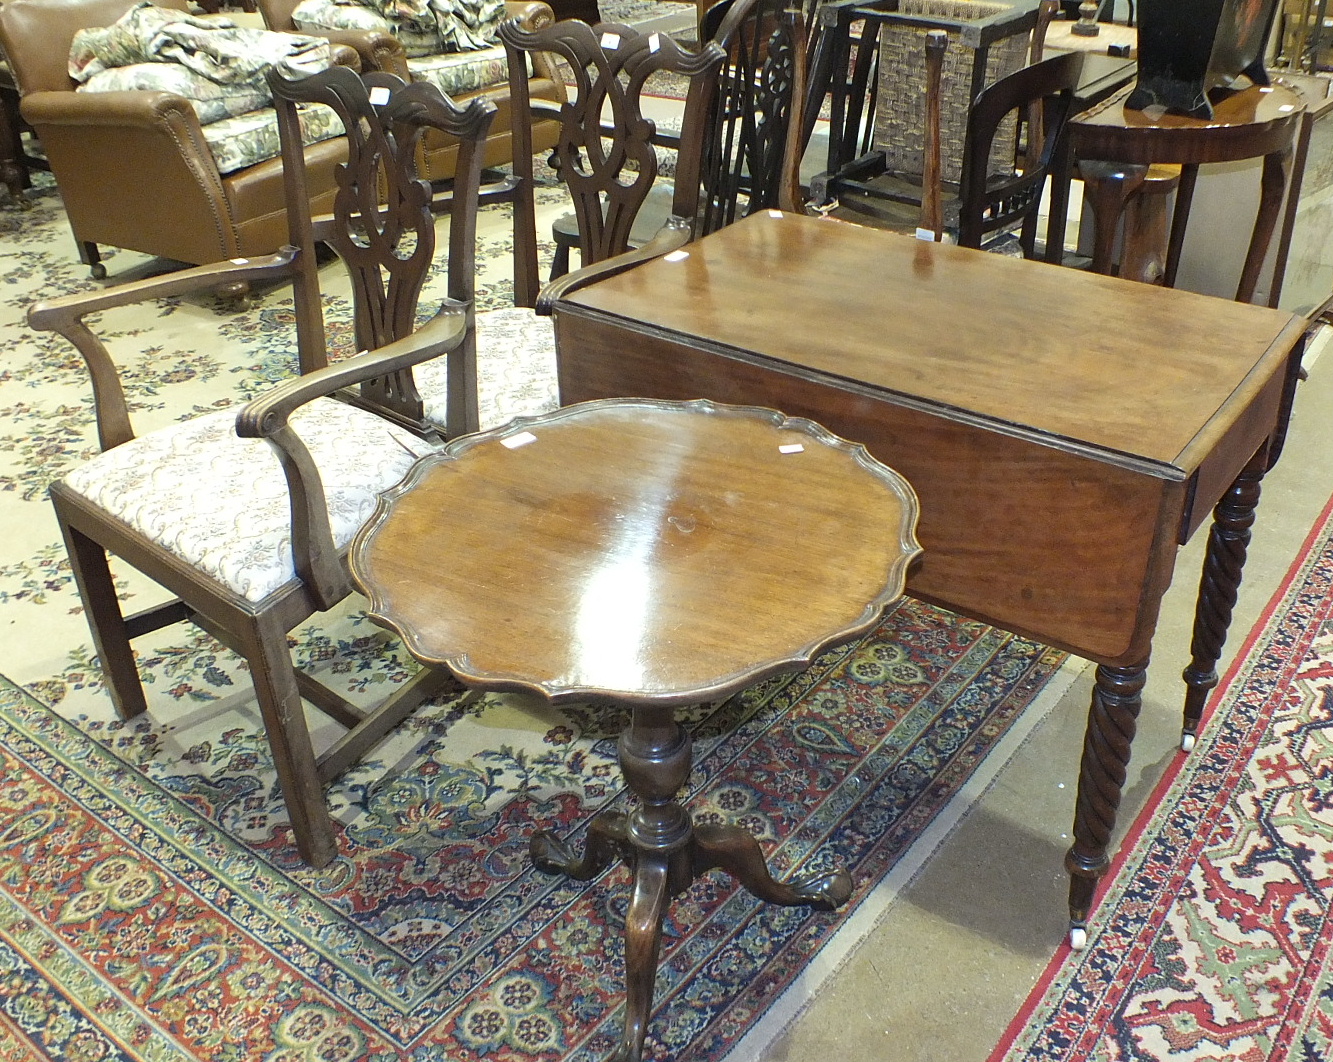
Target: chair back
{"x":987,"y":201}
{"x":36,"y":35}
{"x":383,"y":227}
{"x":753,"y":152}
{"x":604,"y":152}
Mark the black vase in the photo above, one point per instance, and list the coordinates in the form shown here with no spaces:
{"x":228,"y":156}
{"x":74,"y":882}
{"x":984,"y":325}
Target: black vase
{"x":1187,"y":47}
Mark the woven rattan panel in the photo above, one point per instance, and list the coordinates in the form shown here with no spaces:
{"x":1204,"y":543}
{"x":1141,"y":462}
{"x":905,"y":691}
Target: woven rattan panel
{"x":900,"y":110}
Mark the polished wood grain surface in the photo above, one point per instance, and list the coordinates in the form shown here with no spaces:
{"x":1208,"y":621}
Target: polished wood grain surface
{"x":1051,"y":352}
{"x":1064,"y":431}
{"x":637,"y":550}
{"x":1052,"y":503}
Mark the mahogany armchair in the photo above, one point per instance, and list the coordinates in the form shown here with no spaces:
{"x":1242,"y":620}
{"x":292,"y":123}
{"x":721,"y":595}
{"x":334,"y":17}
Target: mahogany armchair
{"x":251,"y":536}
{"x":609,"y":170}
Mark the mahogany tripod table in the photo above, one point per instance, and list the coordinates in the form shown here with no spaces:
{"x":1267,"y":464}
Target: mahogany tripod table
{"x":1064,"y":431}
{"x":647,"y":554}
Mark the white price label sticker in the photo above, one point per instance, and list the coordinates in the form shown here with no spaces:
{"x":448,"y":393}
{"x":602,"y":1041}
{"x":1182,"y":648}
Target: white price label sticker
{"x":654,"y":41}
{"x":379,"y":95}
{"x":610,"y":41}
{"x":790,"y":448}
{"x":513,"y":442}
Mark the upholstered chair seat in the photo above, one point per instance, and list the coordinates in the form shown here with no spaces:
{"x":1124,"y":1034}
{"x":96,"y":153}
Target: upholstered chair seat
{"x":516,"y":369}
{"x":221,"y":504}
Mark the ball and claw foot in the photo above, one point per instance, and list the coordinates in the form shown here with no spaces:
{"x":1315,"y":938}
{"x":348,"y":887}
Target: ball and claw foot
{"x":1078,"y":936}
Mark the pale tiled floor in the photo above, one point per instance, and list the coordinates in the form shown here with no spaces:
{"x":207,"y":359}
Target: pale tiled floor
{"x":942,"y":975}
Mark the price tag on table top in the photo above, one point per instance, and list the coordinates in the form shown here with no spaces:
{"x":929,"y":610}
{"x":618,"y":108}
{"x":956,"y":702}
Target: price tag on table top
{"x":513,"y":442}
{"x":610,"y":41}
{"x":791,"y":448}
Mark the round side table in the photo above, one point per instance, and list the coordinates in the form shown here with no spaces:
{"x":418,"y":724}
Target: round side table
{"x":648,"y":554}
{"x":1115,"y":146}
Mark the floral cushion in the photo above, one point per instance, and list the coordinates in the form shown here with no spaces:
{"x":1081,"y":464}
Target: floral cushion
{"x":457,"y":72}
{"x":423,"y":27}
{"x":250,"y":138}
{"x":220,"y":503}
{"x":515,"y":363}
{"x":211,"y":100}
{"x":315,"y":15}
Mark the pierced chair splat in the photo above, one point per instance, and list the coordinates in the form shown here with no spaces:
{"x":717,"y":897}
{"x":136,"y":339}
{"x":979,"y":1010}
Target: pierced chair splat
{"x":752,"y":141}
{"x":608,"y":169}
{"x":383,"y":230}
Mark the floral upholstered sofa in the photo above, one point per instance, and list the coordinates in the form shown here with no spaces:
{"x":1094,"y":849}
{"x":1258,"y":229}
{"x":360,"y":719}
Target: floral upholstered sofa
{"x":149,"y":168}
{"x":450,"y":43}
{"x":219,"y":66}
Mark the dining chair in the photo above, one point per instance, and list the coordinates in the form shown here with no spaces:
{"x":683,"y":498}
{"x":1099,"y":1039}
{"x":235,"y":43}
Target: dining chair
{"x":605,"y":152}
{"x":383,"y":229}
{"x":752,"y":137}
{"x":251,"y":539}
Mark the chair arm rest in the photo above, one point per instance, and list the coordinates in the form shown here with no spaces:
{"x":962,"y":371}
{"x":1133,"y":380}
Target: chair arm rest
{"x":376,"y":49}
{"x":675,"y":233}
{"x":65,"y":315}
{"x":268,"y":417}
{"x":139,"y":107}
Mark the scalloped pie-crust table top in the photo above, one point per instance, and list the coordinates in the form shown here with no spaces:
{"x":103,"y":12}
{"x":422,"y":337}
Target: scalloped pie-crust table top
{"x":652,"y":554}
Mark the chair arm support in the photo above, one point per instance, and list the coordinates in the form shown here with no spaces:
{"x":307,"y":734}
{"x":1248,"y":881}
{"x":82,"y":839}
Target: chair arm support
{"x":267,"y":417}
{"x":674,"y":234}
{"x":65,"y":315}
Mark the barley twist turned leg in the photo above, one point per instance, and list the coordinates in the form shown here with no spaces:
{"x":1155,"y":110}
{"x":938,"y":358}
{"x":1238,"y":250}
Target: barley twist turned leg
{"x":1219,"y":586}
{"x":1112,"y":721}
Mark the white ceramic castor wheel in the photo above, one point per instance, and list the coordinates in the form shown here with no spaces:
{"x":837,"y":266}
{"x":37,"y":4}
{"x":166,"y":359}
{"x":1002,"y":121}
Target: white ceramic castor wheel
{"x":1078,"y":938}
{"x":1187,"y":742}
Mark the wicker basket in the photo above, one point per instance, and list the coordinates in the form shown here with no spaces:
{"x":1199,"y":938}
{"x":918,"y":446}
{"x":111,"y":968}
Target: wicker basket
{"x":900,"y":110}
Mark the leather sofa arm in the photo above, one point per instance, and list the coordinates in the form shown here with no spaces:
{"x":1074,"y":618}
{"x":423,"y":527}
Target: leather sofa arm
{"x":375,"y":49}
{"x":531,"y":14}
{"x":139,"y":108}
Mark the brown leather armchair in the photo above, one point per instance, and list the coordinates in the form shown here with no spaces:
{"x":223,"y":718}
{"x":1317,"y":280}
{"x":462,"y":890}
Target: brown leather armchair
{"x":133,"y":167}
{"x":438,"y":153}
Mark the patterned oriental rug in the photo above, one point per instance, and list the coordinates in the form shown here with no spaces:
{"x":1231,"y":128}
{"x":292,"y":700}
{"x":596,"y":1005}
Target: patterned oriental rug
{"x":1211,"y":941}
{"x":151,"y":907}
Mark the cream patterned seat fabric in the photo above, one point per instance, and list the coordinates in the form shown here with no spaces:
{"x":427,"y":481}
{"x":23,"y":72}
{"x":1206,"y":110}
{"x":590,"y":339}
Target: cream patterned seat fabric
{"x":221,"y":503}
{"x":516,"y":369}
